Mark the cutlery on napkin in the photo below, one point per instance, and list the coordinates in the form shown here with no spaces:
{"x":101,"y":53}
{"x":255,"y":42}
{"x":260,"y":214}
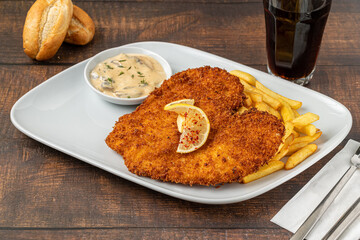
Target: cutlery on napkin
{"x":296,"y":211}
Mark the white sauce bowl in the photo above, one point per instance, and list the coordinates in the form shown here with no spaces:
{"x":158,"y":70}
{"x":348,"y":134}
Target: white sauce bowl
{"x":102,"y":56}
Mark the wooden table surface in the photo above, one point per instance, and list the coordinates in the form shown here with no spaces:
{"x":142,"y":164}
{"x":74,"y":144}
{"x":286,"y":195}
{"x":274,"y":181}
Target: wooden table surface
{"x":45,"y":194}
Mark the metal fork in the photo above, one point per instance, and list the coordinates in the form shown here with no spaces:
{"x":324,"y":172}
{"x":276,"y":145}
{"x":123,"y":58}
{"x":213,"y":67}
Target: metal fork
{"x":310,"y":222}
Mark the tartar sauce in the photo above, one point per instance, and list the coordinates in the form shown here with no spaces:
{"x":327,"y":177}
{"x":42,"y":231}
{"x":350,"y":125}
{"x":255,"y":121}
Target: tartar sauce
{"x":128,"y":75}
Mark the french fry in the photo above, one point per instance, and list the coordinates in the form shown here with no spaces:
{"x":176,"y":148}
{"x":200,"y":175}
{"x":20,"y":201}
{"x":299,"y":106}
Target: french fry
{"x":286,"y":112}
{"x":242,"y":110}
{"x":300,"y":156}
{"x":273,"y":102}
{"x":289,"y":140}
{"x":295,"y":147}
{"x":265,"y":170}
{"x":255,"y":97}
{"x":293,"y":103}
{"x":288,"y":130}
{"x":274,"y":112}
{"x":247,"y":86}
{"x":283,"y":149}
{"x":244,"y":75}
{"x":309,"y":130}
{"x":296,"y":114}
{"x":289,"y":127}
{"x":282,"y":153}
{"x":308,"y":139}
{"x":247,"y":101}
{"x":261,"y":106}
{"x":296,"y":134}
{"x":305,"y":119}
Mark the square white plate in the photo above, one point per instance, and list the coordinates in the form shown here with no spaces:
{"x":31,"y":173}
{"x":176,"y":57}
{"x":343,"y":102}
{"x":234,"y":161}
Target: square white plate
{"x":65,"y":114}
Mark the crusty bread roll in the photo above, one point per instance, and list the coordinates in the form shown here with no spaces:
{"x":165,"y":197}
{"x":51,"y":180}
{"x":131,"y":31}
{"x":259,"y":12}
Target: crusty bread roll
{"x":82,"y":29}
{"x":45,"y":27}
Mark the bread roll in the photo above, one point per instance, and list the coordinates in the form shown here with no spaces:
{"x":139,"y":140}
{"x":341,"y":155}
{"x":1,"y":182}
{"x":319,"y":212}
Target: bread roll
{"x":45,"y":27}
{"x":82,"y":29}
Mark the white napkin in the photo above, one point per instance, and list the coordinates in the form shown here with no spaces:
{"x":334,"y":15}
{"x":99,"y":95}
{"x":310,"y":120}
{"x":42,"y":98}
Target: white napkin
{"x":296,"y":211}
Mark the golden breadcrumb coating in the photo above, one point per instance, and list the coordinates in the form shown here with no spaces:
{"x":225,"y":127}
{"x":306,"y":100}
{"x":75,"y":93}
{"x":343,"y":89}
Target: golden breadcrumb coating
{"x":237,"y":145}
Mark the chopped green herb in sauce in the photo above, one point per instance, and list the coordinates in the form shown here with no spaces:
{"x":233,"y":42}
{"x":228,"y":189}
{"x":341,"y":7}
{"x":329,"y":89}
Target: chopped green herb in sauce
{"x":140,"y":75}
{"x":144,"y":82}
{"x":108,"y":66}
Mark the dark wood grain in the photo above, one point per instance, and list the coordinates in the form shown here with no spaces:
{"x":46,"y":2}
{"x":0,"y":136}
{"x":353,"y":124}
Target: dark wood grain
{"x":166,"y":1}
{"x":45,"y":194}
{"x":146,"y":233}
{"x":237,"y":32}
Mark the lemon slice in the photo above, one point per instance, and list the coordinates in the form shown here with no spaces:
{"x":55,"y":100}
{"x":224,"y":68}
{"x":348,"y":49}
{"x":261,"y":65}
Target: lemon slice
{"x":180,"y":119}
{"x":195,"y":126}
{"x":185,"y":101}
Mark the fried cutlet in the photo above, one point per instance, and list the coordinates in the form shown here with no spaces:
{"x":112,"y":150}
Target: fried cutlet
{"x":237,"y":145}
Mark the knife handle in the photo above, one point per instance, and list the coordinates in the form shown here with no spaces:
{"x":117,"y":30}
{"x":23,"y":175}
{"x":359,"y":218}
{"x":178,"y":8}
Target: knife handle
{"x":310,"y":222}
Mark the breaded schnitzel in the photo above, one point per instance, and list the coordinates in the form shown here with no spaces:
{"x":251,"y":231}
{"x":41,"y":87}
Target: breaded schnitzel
{"x":237,"y":145}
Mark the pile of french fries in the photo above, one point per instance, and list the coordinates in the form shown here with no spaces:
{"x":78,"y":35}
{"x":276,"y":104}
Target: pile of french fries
{"x":299,"y":134}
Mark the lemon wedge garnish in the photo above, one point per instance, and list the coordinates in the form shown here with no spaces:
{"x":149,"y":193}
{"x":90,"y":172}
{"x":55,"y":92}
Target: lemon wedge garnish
{"x":195,"y":126}
{"x":180,"y":119}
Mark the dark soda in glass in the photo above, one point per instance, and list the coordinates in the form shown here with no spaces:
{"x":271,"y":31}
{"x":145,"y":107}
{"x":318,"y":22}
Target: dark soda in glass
{"x":294,"y":30}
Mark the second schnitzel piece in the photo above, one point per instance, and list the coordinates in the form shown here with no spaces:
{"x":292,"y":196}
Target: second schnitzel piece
{"x":237,"y":145}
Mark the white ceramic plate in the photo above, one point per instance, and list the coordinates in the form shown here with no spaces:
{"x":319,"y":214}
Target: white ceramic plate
{"x":65,"y":114}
